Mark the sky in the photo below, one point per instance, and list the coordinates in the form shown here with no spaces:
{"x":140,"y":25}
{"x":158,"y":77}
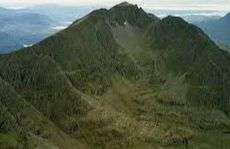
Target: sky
{"x":219,"y":5}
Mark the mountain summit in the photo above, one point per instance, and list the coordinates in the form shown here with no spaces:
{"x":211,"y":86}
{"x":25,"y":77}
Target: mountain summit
{"x":117,"y":78}
{"x":124,"y":4}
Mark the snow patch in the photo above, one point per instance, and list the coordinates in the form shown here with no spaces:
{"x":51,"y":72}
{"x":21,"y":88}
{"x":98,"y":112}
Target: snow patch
{"x":61,"y":27}
{"x":27,"y":45}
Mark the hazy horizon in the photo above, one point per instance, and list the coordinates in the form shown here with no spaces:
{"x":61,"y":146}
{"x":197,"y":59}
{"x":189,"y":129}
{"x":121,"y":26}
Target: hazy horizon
{"x":214,"y":5}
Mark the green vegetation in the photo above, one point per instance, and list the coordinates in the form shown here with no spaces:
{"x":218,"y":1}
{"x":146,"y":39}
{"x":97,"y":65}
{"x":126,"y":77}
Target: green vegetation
{"x":118,"y":78}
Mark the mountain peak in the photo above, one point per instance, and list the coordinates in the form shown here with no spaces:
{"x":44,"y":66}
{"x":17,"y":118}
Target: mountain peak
{"x":125,"y":3}
{"x":126,"y":12}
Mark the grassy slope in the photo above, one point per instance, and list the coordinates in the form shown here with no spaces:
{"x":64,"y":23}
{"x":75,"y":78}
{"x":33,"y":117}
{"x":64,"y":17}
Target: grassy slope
{"x":118,"y":79}
{"x":20,"y":121}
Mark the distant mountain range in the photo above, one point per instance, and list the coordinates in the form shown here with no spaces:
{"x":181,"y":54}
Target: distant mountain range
{"x":60,"y":13}
{"x":196,"y":19}
{"x":217,"y":29}
{"x":30,"y":25}
{"x":117,"y":78}
{"x":186,"y":13}
{"x":19,"y":28}
{"x":8,"y":43}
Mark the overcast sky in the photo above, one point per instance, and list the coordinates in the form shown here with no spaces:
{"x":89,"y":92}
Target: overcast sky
{"x":222,"y":5}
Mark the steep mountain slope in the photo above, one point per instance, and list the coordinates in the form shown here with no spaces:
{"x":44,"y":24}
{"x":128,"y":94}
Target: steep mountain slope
{"x":218,"y":29}
{"x":118,"y":78}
